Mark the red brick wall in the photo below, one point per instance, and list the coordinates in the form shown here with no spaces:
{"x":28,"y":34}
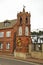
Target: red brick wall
{"x":5,"y":39}
{"x":24,"y":40}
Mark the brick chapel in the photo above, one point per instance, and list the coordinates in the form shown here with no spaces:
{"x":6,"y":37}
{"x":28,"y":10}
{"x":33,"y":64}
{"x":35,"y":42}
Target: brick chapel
{"x":15,"y":34}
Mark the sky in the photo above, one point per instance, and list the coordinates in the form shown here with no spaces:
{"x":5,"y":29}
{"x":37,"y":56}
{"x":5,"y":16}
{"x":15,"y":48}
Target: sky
{"x":10,"y":8}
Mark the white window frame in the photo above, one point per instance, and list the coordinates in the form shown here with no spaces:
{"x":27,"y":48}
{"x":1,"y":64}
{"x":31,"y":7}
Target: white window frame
{"x":1,"y":45}
{"x":8,"y":46}
{"x":8,"y":34}
{"x":26,"y":31}
{"x":1,"y":34}
{"x":7,"y":23}
{"x":20,"y":31}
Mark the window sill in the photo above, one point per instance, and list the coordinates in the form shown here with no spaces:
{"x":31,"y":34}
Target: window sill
{"x":8,"y":37}
{"x":1,"y":37}
{"x":0,"y":49}
{"x":7,"y":49}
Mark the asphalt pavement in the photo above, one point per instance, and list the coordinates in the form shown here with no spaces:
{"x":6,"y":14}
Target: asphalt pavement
{"x":7,"y":61}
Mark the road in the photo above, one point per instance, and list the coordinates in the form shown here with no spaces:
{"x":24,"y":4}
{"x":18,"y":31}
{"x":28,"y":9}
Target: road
{"x":6,"y":61}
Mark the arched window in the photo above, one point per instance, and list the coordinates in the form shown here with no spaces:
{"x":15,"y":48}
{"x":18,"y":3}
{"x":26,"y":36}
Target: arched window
{"x":8,"y":45}
{"x":20,"y":30}
{"x":20,"y":20}
{"x":26,"y":20}
{"x":26,"y":30}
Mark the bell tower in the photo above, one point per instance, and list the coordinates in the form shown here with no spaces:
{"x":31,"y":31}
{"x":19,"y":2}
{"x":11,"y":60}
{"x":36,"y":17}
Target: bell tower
{"x":23,"y":38}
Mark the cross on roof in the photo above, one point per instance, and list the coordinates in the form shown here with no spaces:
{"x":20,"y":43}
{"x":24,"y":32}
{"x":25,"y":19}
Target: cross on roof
{"x":24,"y":8}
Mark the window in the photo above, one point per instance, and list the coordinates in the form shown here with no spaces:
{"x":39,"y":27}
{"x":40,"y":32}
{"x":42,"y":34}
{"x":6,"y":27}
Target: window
{"x":20,"y":20}
{"x":1,"y":34}
{"x":8,"y":45}
{"x":26,"y":20}
{"x":26,"y":30}
{"x":1,"y":45}
{"x":8,"y":33}
{"x":6,"y":23}
{"x":20,"y":30}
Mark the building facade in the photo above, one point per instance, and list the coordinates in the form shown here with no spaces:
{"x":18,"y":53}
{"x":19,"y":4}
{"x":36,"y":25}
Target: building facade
{"x":15,"y":34}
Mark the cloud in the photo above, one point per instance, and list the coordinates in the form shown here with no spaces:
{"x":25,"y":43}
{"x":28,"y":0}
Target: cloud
{"x":10,"y":8}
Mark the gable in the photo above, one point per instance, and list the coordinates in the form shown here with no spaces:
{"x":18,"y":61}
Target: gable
{"x":8,"y":24}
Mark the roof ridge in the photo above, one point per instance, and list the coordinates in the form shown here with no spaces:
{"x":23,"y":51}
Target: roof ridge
{"x":9,"y":20}
{"x":12,"y":22}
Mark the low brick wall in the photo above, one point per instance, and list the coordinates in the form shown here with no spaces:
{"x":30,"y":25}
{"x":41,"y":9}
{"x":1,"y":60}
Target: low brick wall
{"x":20,"y":55}
{"x":36,"y":54}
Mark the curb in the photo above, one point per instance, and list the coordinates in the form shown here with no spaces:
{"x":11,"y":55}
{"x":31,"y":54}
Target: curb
{"x":28,"y":60}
